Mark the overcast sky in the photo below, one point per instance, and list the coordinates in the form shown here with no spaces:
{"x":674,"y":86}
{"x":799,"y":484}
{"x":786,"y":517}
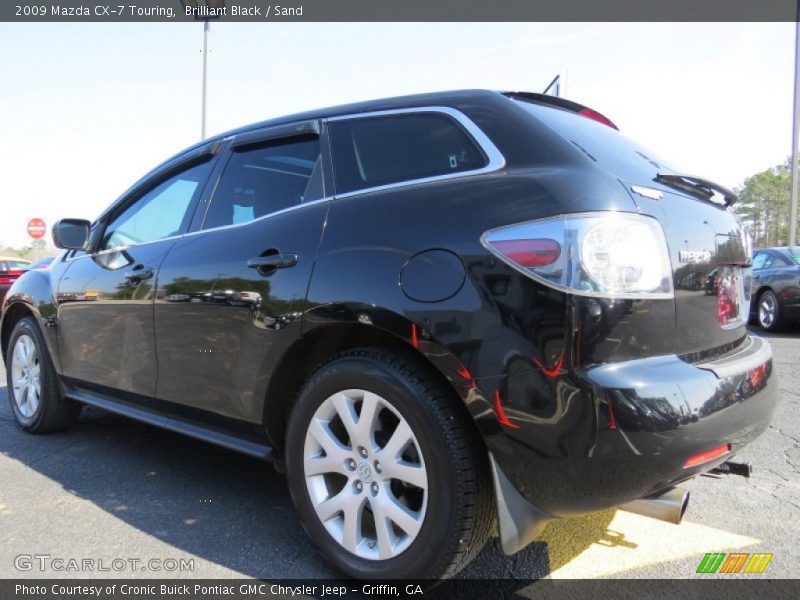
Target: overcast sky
{"x":86,"y":109}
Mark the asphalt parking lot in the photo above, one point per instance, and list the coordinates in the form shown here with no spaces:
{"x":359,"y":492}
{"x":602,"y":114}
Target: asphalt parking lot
{"x":112,"y":488}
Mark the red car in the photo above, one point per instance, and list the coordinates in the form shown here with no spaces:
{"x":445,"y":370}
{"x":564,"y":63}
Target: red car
{"x":10,"y":269}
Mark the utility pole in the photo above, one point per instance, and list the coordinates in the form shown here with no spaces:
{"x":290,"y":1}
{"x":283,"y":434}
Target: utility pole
{"x":795,"y":135}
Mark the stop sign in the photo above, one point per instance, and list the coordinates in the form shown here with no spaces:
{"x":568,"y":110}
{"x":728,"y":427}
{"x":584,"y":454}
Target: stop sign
{"x":36,"y":228}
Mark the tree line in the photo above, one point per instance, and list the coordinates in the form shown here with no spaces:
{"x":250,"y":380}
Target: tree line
{"x":764,"y":205}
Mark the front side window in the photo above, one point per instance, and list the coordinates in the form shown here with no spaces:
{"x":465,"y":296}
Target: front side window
{"x":762,"y":261}
{"x":374,"y":151}
{"x":259,"y":180}
{"x":160,"y":213}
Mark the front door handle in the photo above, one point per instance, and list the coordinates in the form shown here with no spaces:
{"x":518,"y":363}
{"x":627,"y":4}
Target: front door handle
{"x":272,"y":262}
{"x":138,"y":274}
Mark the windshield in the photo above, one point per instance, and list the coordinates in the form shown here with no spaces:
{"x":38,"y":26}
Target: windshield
{"x":606,"y":146}
{"x":6,"y":265}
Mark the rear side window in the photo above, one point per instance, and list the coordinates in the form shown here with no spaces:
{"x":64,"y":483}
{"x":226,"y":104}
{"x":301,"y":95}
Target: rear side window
{"x":780,"y":261}
{"x":259,"y":180}
{"x":374,"y":151}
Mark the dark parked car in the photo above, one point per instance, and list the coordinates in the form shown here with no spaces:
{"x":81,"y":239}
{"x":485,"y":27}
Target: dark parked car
{"x":710,"y":285}
{"x":10,"y":270}
{"x":478,"y":320}
{"x":775,"y":299}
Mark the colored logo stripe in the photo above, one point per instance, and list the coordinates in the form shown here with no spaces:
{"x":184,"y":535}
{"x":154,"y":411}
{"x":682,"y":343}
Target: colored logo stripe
{"x":736,"y":562}
{"x":711,"y":562}
{"x":758,"y":563}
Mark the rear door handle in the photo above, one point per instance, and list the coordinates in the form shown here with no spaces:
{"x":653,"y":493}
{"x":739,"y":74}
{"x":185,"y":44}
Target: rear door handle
{"x":139,"y":273}
{"x":272,"y":262}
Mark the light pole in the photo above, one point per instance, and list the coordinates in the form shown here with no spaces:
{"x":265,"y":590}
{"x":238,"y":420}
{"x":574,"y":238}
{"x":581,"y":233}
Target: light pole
{"x":205,"y":80}
{"x":795,"y":135}
{"x":214,"y":8}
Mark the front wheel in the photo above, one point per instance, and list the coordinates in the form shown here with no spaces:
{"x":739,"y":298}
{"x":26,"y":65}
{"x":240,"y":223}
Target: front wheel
{"x":33,"y":391}
{"x":387,"y":472}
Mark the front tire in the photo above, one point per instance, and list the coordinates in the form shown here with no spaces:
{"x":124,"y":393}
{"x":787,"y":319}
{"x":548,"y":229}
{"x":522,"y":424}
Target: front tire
{"x":388,"y":474}
{"x":33,"y":391}
{"x":769,"y":311}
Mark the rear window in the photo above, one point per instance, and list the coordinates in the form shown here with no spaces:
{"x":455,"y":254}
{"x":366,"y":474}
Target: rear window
{"x":795,"y":254}
{"x":374,"y":151}
{"x":604,"y":145}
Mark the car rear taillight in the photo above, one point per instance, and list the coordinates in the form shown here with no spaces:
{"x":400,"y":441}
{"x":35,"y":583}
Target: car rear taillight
{"x":602,"y":254}
{"x":5,"y":280}
{"x":706,"y":456}
{"x":15,"y":272}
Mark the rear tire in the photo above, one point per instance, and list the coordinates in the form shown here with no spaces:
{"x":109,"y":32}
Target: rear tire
{"x":36,"y":401}
{"x":768,"y":312}
{"x":439,"y":478}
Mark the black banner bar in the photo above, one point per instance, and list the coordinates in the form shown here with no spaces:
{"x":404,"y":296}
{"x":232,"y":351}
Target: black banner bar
{"x":731,"y":588}
{"x":107,"y":11}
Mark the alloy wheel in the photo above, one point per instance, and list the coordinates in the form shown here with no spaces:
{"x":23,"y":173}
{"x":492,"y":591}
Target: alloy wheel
{"x":365,"y":474}
{"x":26,"y":376}
{"x":766,"y":310}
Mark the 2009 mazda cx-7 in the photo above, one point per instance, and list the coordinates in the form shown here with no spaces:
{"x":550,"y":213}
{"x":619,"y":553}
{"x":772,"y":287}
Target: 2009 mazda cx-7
{"x":436,"y":313}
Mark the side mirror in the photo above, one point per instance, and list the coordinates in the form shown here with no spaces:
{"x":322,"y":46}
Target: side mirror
{"x":71,"y":234}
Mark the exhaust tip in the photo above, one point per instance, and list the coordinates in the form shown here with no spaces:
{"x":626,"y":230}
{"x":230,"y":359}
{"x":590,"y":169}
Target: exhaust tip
{"x":684,"y":506}
{"x":668,"y":506}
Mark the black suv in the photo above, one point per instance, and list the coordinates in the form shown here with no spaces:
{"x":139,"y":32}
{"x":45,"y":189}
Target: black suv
{"x":434,"y":312}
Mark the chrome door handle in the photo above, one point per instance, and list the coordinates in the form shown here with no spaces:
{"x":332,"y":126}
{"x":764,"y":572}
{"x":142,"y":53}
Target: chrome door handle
{"x":273,"y":261}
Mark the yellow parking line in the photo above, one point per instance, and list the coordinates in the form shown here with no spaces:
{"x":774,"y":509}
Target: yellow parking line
{"x":616,"y":542}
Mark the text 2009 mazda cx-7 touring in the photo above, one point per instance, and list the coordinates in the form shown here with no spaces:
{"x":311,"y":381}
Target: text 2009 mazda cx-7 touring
{"x":434,"y":312}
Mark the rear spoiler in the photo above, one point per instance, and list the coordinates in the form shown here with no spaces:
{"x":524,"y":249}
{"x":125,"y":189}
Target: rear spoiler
{"x":561,"y":103}
{"x":698,"y":186}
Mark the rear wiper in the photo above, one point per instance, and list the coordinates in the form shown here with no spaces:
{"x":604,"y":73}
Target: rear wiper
{"x":698,"y":186}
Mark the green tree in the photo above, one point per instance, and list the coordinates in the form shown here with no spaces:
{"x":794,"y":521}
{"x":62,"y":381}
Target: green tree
{"x":764,"y":205}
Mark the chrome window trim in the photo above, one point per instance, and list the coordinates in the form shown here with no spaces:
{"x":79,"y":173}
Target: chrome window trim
{"x":199,"y":231}
{"x":496,"y":160}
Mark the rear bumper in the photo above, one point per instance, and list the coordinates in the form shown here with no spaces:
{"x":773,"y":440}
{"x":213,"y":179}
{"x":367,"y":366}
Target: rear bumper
{"x":622,"y":431}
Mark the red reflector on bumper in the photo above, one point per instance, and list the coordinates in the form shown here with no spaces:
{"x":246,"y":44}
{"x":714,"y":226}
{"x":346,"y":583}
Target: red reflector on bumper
{"x":756,"y":376}
{"x":708,"y":455}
